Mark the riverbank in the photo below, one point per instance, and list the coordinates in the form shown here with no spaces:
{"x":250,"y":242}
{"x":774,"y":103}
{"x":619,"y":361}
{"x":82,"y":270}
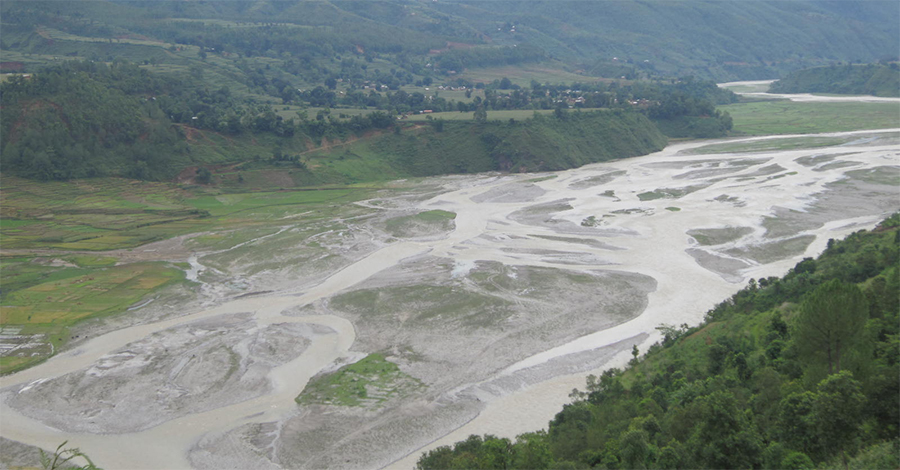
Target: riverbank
{"x":527,"y":261}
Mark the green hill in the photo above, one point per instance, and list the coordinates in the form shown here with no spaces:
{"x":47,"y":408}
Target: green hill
{"x":147,"y":89}
{"x":871,"y":79}
{"x":718,"y":39}
{"x":792,"y":372}
{"x":84,"y":120}
{"x":308,"y":41}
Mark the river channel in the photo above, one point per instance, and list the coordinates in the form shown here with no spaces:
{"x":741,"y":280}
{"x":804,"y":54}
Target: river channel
{"x":657,"y":217}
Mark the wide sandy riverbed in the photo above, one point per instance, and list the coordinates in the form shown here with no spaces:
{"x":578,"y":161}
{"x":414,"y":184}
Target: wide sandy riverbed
{"x":493,"y":318}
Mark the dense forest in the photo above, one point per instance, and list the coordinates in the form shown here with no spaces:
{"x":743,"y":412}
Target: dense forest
{"x":849,"y":79}
{"x":795,"y":372}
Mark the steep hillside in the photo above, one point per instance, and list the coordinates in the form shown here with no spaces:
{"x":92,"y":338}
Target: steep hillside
{"x":540,"y":143}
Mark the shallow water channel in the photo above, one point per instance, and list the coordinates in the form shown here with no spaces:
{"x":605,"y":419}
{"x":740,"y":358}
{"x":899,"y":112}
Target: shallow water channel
{"x":689,"y":228}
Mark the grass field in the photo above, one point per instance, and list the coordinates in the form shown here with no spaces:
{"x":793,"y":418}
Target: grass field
{"x":370,"y":381}
{"x":500,"y":115}
{"x":92,"y":214}
{"x":114,"y":213}
{"x":789,"y":117}
{"x":71,"y":294}
{"x":41,"y":302}
{"x":56,"y":34}
{"x":786,"y":143}
{"x":455,"y":95}
{"x":268,"y":205}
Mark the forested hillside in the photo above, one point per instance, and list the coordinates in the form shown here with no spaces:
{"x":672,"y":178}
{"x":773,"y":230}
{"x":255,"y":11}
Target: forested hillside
{"x":870,"y":79}
{"x":147,"y":89}
{"x":306,"y":42}
{"x":84,"y":119}
{"x":718,"y":39}
{"x":793,"y":372}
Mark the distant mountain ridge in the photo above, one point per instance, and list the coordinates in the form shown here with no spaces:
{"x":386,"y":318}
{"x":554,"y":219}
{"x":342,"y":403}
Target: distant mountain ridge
{"x":722,"y":40}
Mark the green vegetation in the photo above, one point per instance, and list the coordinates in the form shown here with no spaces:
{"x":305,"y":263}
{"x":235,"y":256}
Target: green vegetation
{"x":92,"y":261}
{"x":47,"y":288}
{"x":669,"y":193}
{"x":270,"y":49}
{"x":71,"y":294}
{"x":539,"y":144}
{"x":370,"y":381}
{"x":870,"y":79}
{"x":62,"y":458}
{"x":41,"y":303}
{"x":771,"y":145}
{"x":793,"y":372}
{"x":112,"y":213}
{"x":197,"y":131}
{"x":234,"y":104}
{"x":423,"y":223}
{"x":93,"y":214}
{"x":435,"y":216}
{"x":788,"y":117}
{"x":718,"y":236}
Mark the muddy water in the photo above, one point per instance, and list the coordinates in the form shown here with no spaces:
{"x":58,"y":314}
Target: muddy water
{"x":166,"y":445}
{"x":649,"y":237}
{"x":685,"y":290}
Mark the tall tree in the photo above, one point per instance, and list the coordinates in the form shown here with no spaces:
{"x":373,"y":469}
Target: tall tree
{"x":831,"y":321}
{"x":480,"y":115}
{"x":837,"y":412}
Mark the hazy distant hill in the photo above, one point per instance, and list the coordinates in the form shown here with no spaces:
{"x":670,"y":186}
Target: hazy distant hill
{"x":713,"y":39}
{"x":720,"y":39}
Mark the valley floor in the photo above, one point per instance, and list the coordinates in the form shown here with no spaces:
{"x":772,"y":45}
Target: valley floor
{"x":493,"y":294}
